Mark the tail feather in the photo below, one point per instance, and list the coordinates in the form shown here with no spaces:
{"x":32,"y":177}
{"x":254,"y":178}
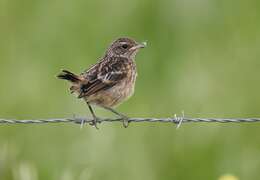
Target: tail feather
{"x":69,"y":76}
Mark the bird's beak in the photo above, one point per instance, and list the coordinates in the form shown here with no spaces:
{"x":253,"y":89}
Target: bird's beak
{"x":138,"y":46}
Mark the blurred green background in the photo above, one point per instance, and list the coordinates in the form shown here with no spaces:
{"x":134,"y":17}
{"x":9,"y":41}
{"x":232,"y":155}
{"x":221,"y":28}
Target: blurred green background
{"x":202,"y":57}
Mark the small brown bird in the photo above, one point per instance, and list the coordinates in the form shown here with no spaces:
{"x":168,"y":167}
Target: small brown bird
{"x":110,"y":81}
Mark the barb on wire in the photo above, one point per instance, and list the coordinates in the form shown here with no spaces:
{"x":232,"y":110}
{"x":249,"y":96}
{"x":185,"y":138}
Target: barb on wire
{"x":179,"y":119}
{"x":176,"y":120}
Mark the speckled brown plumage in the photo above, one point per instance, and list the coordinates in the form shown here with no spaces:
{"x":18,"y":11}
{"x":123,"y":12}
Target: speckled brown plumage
{"x":110,"y":81}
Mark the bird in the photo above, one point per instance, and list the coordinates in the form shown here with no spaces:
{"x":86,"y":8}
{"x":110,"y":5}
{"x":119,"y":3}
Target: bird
{"x":110,"y":81}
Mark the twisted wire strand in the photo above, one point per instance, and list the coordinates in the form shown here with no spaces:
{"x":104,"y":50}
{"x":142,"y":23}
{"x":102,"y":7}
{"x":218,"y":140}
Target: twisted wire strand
{"x":176,"y":120}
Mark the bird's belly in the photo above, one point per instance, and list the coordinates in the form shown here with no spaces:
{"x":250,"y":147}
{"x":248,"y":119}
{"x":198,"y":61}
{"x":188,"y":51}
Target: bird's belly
{"x":115,"y":95}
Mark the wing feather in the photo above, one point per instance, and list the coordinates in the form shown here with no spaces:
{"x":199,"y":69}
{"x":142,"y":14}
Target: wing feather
{"x":108,"y":75}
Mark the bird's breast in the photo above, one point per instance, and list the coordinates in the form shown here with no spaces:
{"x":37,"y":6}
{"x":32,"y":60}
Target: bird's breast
{"x":118,"y":93}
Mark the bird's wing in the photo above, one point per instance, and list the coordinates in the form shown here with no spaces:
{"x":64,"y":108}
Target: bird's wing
{"x":108,"y":74}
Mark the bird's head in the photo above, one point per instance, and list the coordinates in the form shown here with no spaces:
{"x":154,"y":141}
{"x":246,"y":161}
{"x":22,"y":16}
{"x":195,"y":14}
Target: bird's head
{"x":125,"y":47}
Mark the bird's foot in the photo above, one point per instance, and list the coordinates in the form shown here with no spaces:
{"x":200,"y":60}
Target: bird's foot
{"x":125,"y":121}
{"x":94,"y":122}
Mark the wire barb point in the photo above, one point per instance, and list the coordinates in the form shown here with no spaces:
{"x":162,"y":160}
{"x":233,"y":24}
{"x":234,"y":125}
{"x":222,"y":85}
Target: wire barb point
{"x":181,"y":119}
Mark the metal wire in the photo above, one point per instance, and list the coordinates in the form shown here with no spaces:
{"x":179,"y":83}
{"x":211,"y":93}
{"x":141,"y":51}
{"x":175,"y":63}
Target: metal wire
{"x":176,"y":120}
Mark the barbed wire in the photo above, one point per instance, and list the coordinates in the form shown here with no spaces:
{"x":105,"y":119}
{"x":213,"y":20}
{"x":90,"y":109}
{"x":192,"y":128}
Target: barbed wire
{"x":175,"y":120}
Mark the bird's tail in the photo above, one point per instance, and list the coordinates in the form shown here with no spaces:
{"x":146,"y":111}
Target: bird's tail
{"x":69,"y":76}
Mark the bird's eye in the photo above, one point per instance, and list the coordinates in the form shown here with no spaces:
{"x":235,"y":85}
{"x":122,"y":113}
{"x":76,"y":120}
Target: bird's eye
{"x":125,"y":46}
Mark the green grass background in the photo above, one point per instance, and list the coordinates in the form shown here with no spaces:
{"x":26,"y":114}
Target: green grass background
{"x":202,"y":57}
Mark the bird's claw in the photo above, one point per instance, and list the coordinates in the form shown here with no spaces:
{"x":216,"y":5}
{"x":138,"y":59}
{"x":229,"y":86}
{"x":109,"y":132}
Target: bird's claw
{"x":125,"y":121}
{"x":94,"y":122}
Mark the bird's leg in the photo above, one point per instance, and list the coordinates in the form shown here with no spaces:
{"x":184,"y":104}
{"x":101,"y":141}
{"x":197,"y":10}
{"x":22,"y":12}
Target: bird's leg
{"x":94,"y":122}
{"x":124,"y":117}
